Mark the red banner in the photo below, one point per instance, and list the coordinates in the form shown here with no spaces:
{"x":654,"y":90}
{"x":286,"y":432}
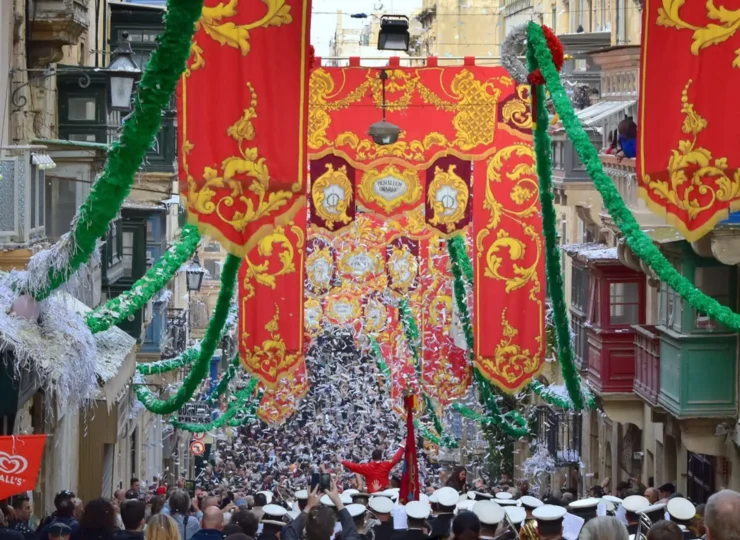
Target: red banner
{"x":687,"y":163}
{"x":410,"y":479}
{"x":242,"y":115}
{"x":509,"y":267}
{"x":456,"y":122}
{"x":271,"y":304}
{"x":20,"y":460}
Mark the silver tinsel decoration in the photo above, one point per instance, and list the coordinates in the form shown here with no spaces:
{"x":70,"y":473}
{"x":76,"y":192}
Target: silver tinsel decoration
{"x":514,"y":47}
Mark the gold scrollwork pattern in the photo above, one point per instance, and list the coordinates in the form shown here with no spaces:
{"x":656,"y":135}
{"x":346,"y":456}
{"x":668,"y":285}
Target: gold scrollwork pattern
{"x":709,"y":176}
{"x":320,"y":270}
{"x":713,"y":33}
{"x":469,"y":99}
{"x":375,"y":316}
{"x":313,"y":315}
{"x":361,"y":264}
{"x":343,"y":309}
{"x":262,"y":273}
{"x":402,"y":268}
{"x":270,"y":358}
{"x":332,"y":196}
{"x":517,"y":111}
{"x":236,"y":171}
{"x":448,"y":197}
{"x":214,"y":21}
{"x":440,"y":313}
{"x":501,"y":259}
{"x":390,"y":188}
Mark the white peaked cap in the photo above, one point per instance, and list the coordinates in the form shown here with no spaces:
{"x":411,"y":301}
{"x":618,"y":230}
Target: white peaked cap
{"x":680,"y":508}
{"x":465,"y":506}
{"x":516,"y":514}
{"x":356,"y":510}
{"x":488,"y":512}
{"x":504,"y":495}
{"x":635,"y":503}
{"x":418,"y":510}
{"x":531,"y":502}
{"x":447,"y":496}
{"x":326,"y":501}
{"x":549,"y":512}
{"x":381,"y":505}
{"x":267,"y":494}
{"x":273,"y":510}
{"x":301,"y":495}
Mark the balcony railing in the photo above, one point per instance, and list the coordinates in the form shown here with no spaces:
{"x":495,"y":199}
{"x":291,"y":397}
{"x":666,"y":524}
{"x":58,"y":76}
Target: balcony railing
{"x":560,"y":432}
{"x":647,"y":363}
{"x":624,"y":175}
{"x":177,"y":332}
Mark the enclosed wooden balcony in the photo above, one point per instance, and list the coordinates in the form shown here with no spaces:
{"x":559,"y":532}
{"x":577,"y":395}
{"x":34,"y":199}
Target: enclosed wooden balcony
{"x":647,"y":363}
{"x":56,"y":23}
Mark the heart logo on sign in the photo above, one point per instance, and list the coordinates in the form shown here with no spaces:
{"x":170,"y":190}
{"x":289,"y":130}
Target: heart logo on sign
{"x":12,"y":464}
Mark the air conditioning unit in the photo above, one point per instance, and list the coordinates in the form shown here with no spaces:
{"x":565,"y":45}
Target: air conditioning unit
{"x":22,"y":189}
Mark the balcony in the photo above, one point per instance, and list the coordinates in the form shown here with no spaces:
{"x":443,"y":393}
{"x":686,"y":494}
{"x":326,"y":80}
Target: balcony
{"x":22,"y":192}
{"x":647,"y":363}
{"x":56,"y":23}
{"x":177,"y":332}
{"x":560,"y":433}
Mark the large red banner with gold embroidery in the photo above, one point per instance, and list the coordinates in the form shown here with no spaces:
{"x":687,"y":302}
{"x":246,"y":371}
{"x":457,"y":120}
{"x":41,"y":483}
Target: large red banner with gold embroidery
{"x":457,"y":123}
{"x":242,"y":112}
{"x":687,"y":155}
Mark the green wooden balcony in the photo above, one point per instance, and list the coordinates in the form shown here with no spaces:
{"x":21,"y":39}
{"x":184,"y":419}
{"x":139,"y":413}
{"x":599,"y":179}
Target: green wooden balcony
{"x":697,"y":374}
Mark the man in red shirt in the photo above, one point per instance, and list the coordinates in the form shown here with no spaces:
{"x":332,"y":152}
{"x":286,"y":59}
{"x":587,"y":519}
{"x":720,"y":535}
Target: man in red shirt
{"x":376,"y":471}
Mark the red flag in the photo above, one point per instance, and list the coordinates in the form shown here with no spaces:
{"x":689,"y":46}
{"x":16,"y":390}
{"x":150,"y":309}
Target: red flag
{"x":20,"y":460}
{"x":410,"y":478}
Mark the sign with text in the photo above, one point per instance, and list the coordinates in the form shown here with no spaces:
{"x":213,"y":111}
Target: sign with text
{"x":20,"y":460}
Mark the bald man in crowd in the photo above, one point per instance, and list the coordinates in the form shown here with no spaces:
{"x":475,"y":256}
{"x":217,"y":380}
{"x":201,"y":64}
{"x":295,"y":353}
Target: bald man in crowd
{"x":651,"y":494}
{"x":722,"y":516}
{"x":212,"y":525}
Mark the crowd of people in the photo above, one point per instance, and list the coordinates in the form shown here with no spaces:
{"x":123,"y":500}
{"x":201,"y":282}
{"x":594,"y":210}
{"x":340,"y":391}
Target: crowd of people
{"x":334,"y":511}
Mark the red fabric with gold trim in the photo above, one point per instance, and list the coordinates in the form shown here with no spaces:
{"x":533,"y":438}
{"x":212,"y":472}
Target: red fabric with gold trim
{"x":445,"y":367}
{"x":687,"y":160}
{"x":280,"y":402}
{"x":332,"y":192}
{"x":248,"y":73}
{"x":271,"y":304}
{"x":449,"y":206}
{"x":509,"y":267}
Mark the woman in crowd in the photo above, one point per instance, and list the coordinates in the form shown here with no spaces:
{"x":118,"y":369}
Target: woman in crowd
{"x":604,"y":528}
{"x":98,"y":521}
{"x":161,"y":527}
{"x":180,"y":506}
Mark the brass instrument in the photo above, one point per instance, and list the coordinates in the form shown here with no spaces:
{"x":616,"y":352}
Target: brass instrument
{"x":644,"y":523}
{"x":529,"y":530}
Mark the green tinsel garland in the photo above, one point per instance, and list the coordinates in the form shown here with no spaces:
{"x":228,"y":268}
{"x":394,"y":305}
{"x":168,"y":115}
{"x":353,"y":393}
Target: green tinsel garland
{"x":226,"y":378}
{"x":158,"y":82}
{"x":637,"y":240}
{"x":554,"y":273}
{"x":512,"y":423}
{"x":119,"y":308}
{"x":559,"y":400}
{"x":445,"y":440}
{"x":207,"y":347}
{"x":187,"y":357}
{"x":244,"y":404}
{"x":412,"y":334}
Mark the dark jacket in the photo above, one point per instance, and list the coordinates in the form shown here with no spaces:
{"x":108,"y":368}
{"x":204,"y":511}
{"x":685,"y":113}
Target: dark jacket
{"x":72,"y":523}
{"x":413,"y":534}
{"x":208,"y":534}
{"x":294,"y":531}
{"x":10,"y":534}
{"x":130,"y":535}
{"x":384,"y":531}
{"x":98,"y":534}
{"x":23,"y":528}
{"x":441,"y":526}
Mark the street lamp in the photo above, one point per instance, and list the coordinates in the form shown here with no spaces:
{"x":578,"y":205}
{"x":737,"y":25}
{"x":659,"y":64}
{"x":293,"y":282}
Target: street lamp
{"x":383,"y":132}
{"x":122,"y":73}
{"x":193,"y":281}
{"x":394,"y":33}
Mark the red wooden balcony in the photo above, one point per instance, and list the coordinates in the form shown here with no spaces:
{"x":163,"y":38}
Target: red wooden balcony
{"x":611,"y":360}
{"x":647,"y":363}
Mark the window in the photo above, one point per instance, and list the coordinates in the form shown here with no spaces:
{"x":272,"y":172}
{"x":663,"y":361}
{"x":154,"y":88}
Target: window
{"x":82,"y":109}
{"x":624,"y":303}
{"x":213,"y":247}
{"x":579,"y":289}
{"x":713,"y":281}
{"x":213,"y":266}
{"x":621,"y":23}
{"x":128,"y":253}
{"x":81,"y":137}
{"x":554,"y":21}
